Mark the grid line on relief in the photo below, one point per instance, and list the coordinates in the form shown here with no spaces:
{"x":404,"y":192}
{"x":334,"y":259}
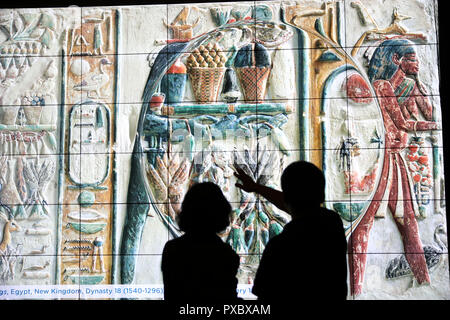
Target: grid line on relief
{"x":125,"y":54}
{"x":168,"y":133}
{"x":239,"y":101}
{"x":293,"y":48}
{"x":350,"y":178}
{"x":166,"y":203}
{"x":346,"y":200}
{"x":131,"y":153}
{"x":80,"y":155}
{"x":59,"y":240}
{"x":243,"y":101}
{"x":157,"y":255}
{"x":258,"y":164}
{"x":118,"y":54}
{"x":347,"y":120}
{"x":168,"y":136}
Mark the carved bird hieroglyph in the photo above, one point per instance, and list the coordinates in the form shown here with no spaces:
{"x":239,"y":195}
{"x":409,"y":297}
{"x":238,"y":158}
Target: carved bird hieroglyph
{"x":95,"y":82}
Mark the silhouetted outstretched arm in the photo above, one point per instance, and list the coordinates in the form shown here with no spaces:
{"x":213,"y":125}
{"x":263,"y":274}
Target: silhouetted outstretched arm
{"x":247,"y":184}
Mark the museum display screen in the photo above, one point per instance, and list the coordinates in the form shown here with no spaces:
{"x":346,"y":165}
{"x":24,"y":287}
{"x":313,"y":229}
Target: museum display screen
{"x":109,"y":114}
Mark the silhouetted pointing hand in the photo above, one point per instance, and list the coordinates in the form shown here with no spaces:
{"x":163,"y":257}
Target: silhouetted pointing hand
{"x":247,"y":184}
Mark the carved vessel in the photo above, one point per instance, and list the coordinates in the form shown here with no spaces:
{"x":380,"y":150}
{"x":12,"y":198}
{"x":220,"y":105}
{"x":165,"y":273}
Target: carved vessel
{"x":206,"y":68}
{"x":88,"y":228}
{"x":86,"y":279}
{"x":206,"y":83}
{"x":174,"y":82}
{"x":85,"y":215}
{"x":230,"y":89}
{"x":253,"y":82}
{"x":9,"y":115}
{"x":253,"y":65}
{"x":32,"y":107}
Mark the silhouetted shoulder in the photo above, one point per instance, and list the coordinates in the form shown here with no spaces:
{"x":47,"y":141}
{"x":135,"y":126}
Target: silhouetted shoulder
{"x":199,"y":268}
{"x":330,"y":223}
{"x":327,"y":218}
{"x":174,"y":245}
{"x":188,"y":244}
{"x":333,"y":215}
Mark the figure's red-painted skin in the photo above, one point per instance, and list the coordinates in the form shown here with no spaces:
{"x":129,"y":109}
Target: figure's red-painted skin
{"x":398,"y":115}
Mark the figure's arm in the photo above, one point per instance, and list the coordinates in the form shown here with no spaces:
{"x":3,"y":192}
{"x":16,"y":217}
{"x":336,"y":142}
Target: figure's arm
{"x":388,"y":101}
{"x":423,"y":125}
{"x":410,"y":109}
{"x":247,"y":184}
{"x":424,"y":104}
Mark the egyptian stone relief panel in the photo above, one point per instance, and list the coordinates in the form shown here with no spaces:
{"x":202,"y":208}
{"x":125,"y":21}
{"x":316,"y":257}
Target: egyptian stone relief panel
{"x":107,"y":117}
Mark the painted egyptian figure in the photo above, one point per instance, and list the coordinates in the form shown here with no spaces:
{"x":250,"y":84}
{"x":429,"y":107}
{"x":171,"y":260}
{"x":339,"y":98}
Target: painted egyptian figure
{"x":393,"y":71}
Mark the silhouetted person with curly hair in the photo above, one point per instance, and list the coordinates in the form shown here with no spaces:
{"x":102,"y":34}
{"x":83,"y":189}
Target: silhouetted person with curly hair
{"x":199,"y":266}
{"x":308,"y":259}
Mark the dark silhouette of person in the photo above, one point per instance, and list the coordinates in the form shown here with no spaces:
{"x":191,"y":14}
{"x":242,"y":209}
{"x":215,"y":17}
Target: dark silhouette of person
{"x":308,"y":258}
{"x":198,"y":266}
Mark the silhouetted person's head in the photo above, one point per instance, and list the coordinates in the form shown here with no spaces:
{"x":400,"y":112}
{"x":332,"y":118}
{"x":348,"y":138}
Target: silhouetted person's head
{"x":204,"y":209}
{"x":303,"y":186}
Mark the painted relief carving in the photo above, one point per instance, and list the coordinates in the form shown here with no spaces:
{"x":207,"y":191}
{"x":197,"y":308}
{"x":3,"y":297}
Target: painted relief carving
{"x":394,"y":88}
{"x":172,"y":133}
{"x":28,"y":135}
{"x":409,"y":97}
{"x":89,"y":39}
{"x":90,"y":88}
{"x":28,"y":35}
{"x":252,"y":63}
{"x":89,"y":142}
{"x":180,"y":27}
{"x":206,"y":68}
{"x":395,"y":28}
{"x":253,"y":223}
{"x":8,"y":254}
{"x":354,"y":183}
{"x":393,"y":69}
{"x":255,"y":72}
{"x":107,"y":117}
{"x":38,"y":176}
{"x":421,"y":173}
{"x":95,"y":82}
{"x":399,"y":266}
